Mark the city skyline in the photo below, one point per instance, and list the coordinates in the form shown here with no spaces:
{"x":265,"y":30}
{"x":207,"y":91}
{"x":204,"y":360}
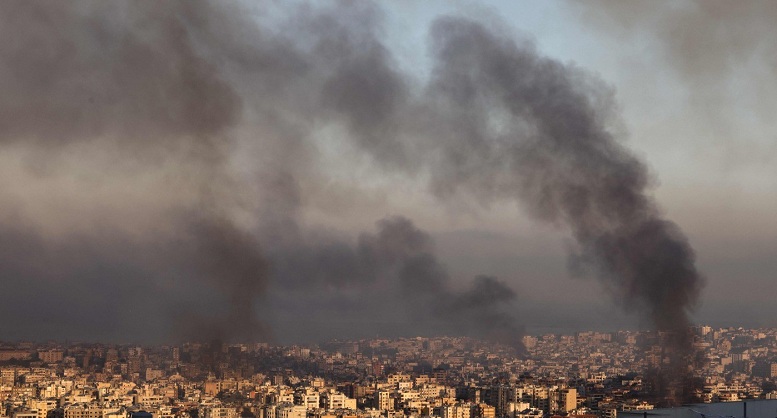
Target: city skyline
{"x":307,"y":171}
{"x":606,"y":374}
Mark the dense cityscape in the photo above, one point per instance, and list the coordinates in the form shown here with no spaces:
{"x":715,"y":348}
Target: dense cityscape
{"x":593,"y":374}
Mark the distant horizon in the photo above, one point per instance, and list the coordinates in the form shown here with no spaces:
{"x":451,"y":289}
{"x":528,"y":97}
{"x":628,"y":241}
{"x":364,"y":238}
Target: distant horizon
{"x":356,"y":339}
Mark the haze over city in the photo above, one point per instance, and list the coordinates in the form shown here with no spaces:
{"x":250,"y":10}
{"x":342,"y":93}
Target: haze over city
{"x":302,"y":171}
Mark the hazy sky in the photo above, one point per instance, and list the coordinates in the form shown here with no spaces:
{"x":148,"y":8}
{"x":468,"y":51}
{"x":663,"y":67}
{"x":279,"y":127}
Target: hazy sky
{"x":318,"y":170}
{"x":695,"y":86}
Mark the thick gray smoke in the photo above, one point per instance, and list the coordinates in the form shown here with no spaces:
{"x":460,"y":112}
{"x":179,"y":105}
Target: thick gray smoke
{"x":145,"y":97}
{"x":120,"y":124}
{"x":394,"y":278}
{"x":200,"y":112}
{"x":499,"y":121}
{"x":129,"y":73}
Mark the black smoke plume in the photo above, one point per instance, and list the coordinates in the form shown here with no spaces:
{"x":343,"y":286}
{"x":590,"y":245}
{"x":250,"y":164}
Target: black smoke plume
{"x":500,"y":121}
{"x":224,"y":114}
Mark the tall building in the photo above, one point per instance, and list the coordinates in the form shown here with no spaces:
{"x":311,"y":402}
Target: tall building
{"x":567,"y":401}
{"x":384,"y":401}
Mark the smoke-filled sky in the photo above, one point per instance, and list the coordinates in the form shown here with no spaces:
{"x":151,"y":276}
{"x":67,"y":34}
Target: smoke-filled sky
{"x":305,"y":171}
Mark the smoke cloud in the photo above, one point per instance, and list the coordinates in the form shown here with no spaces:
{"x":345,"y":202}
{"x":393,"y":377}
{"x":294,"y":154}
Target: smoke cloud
{"x":501,"y":122}
{"x":523,"y":126}
{"x":120,"y":124}
{"x":394,"y":277}
{"x":230,"y":120}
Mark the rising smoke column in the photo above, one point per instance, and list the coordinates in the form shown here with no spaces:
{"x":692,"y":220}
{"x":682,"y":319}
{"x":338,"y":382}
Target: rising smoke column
{"x":497,"y":120}
{"x":570,"y":170}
